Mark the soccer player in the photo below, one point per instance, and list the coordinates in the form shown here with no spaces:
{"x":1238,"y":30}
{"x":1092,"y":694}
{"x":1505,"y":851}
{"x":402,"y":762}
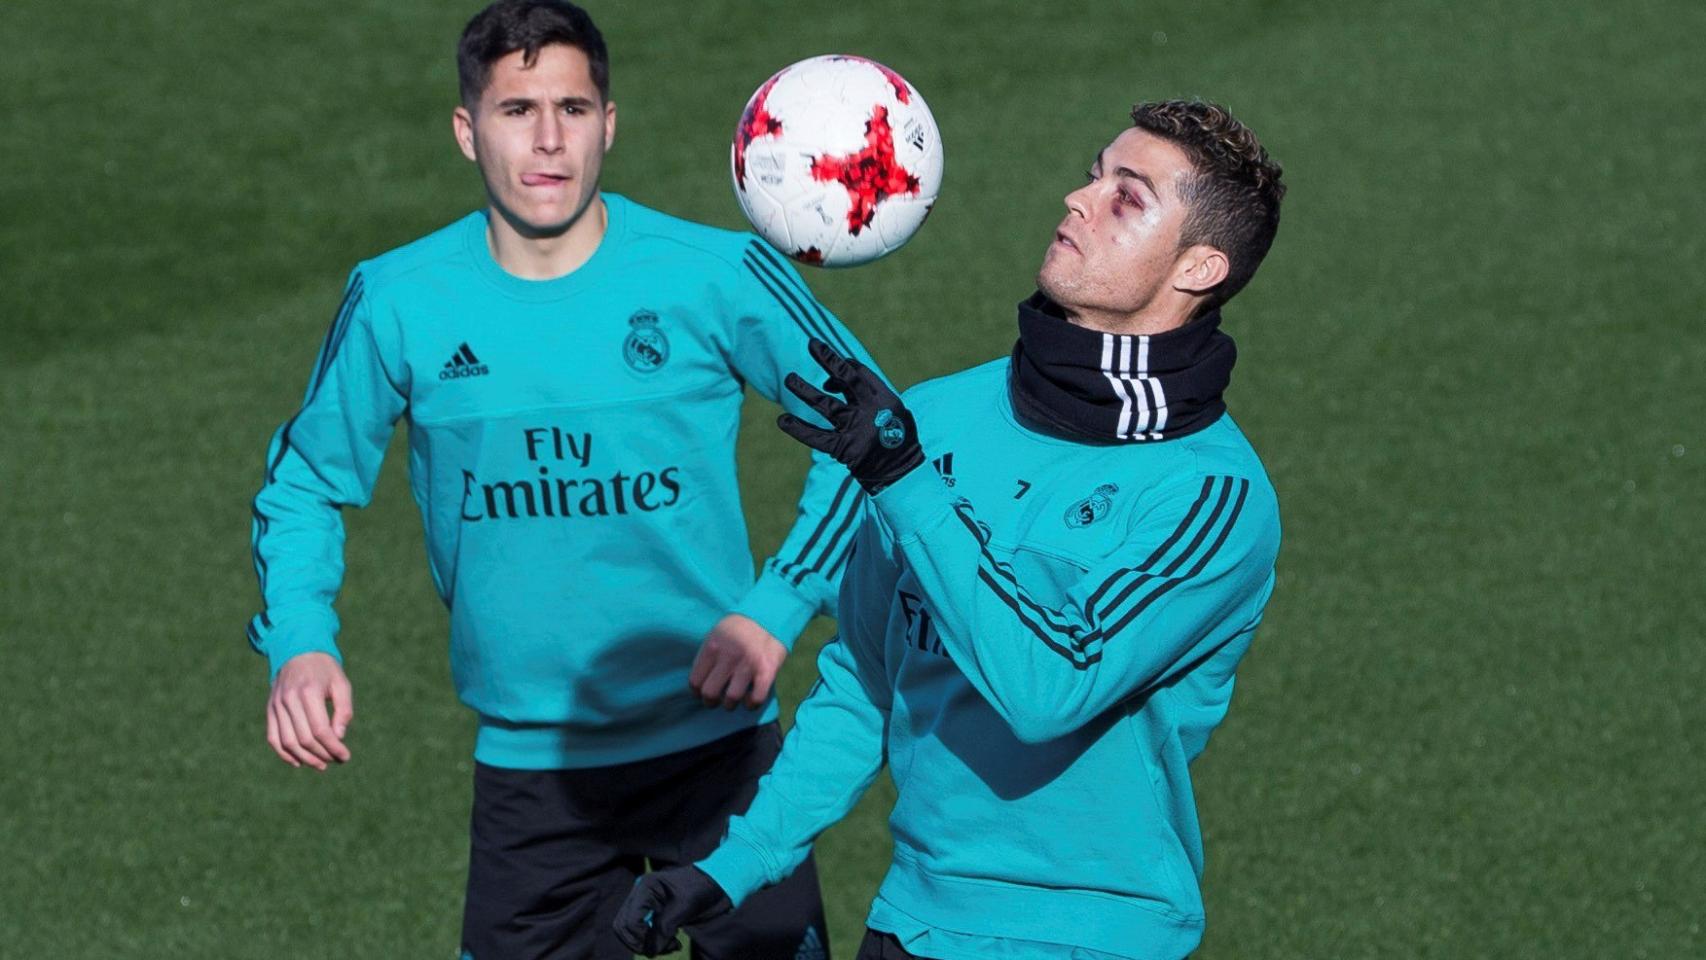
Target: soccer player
{"x":571,"y":367}
{"x":1040,"y":633}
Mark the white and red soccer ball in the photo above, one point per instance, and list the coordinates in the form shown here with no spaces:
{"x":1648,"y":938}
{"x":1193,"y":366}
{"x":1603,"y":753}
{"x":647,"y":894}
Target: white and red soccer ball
{"x":836,"y":160}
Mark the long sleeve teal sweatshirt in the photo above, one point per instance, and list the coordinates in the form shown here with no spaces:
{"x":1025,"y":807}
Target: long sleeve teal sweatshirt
{"x":1038,"y":637}
{"x":572,"y":453}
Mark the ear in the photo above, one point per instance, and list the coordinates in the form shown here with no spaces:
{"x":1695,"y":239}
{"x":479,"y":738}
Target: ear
{"x":609,"y":124}
{"x":1200,"y":269}
{"x":462,"y":125}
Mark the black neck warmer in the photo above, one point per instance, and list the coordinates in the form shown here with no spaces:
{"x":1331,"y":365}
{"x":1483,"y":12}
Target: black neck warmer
{"x":1114,"y":388}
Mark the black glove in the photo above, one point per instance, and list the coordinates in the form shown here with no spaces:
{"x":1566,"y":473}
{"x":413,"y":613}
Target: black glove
{"x":874,"y":434}
{"x":661,"y":903}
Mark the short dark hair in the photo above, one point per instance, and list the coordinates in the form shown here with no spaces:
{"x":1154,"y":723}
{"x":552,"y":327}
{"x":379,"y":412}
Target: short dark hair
{"x":1234,"y":191}
{"x":526,"y":25}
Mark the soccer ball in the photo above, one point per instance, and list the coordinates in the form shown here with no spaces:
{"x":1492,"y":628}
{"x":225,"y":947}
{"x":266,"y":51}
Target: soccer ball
{"x":836,"y":160}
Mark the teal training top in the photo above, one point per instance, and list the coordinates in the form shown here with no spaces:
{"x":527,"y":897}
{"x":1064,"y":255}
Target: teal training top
{"x":1039,"y":636}
{"x":572,"y":452}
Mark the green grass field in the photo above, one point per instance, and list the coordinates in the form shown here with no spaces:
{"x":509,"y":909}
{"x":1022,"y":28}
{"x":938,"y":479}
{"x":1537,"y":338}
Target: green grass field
{"x":1471,"y":726}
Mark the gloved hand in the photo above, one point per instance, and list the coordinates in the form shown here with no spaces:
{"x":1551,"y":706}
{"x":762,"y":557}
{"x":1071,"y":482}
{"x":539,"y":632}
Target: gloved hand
{"x":661,"y":903}
{"x":874,"y":434}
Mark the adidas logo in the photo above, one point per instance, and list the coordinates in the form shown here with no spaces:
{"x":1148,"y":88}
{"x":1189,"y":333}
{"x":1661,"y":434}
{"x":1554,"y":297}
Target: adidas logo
{"x":944,"y":465}
{"x":811,"y":948}
{"x":461,"y":364}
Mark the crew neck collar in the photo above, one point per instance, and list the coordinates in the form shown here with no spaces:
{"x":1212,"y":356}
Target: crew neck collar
{"x":556,"y":288}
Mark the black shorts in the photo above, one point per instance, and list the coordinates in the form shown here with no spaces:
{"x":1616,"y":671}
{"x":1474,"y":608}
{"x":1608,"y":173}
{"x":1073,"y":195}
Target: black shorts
{"x":553,"y":853}
{"x":878,"y":945}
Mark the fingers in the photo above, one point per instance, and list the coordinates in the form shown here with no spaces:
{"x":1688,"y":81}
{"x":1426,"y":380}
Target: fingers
{"x":702,"y":666}
{"x":739,"y":683}
{"x":821,"y":440}
{"x":630,"y":924}
{"x":287,"y":735}
{"x":307,"y":743}
{"x":298,"y":730}
{"x":717,"y":680}
{"x":847,"y":376}
{"x":273,"y":739}
{"x":328,"y":742}
{"x":827,"y":407}
{"x":635,"y":919}
{"x":759,"y":695}
{"x":343,"y":708}
{"x":833,"y":363}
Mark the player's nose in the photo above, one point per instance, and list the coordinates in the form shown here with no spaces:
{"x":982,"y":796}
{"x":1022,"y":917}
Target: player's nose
{"x":548,"y":134}
{"x":1078,"y":201}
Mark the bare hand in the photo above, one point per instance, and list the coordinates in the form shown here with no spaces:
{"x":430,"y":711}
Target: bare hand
{"x":297,"y":727}
{"x":738,"y":662}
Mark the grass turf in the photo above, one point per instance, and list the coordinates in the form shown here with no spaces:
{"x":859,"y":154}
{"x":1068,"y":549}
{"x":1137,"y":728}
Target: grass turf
{"x":1470,"y":726}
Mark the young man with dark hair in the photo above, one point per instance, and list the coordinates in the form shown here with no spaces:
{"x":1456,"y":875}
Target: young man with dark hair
{"x":571,"y":365}
{"x":1039,"y":634}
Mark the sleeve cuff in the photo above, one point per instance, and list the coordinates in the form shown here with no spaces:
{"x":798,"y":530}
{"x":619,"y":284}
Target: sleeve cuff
{"x":738,"y":867}
{"x":285,"y":639}
{"x":777,"y":607}
{"x":914,"y":503}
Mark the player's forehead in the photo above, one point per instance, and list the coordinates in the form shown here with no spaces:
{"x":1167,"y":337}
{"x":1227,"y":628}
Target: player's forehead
{"x":558,"y":71}
{"x":1161,"y":161}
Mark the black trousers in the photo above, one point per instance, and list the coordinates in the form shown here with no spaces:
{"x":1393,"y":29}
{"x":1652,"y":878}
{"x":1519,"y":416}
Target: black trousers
{"x":552,"y":854}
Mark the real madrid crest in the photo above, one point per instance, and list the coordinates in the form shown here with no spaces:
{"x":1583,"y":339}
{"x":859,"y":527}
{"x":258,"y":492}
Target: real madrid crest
{"x":1092,"y":508}
{"x":891,"y":432}
{"x":646,"y":348}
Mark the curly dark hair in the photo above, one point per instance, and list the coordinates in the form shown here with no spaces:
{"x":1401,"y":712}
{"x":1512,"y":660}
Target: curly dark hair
{"x":526,"y":25}
{"x":1234,"y":193}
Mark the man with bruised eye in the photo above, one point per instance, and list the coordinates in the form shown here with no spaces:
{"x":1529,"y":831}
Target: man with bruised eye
{"x":1067,"y":553}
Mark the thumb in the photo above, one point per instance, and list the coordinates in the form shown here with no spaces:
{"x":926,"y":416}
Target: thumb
{"x":343,"y":706}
